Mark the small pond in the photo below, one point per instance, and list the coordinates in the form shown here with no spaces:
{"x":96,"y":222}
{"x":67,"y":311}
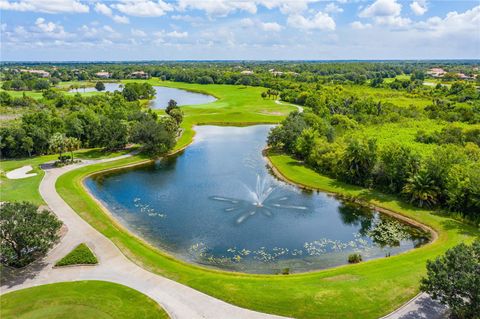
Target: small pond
{"x":164,"y":94}
{"x":217,"y":204}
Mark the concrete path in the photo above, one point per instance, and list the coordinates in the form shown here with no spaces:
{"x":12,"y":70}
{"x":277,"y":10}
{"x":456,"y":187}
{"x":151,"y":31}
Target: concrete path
{"x":420,"y":307}
{"x":178,"y":300}
{"x":299,"y":108}
{"x":21,"y":172}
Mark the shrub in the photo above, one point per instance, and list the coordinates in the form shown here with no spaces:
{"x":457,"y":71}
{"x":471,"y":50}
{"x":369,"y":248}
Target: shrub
{"x":354,"y":258}
{"x":81,"y":255}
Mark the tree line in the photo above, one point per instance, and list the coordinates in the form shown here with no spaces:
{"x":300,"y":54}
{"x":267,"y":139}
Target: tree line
{"x":108,"y":121}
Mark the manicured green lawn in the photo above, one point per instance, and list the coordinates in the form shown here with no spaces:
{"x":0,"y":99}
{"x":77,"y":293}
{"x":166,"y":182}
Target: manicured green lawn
{"x":27,"y":188}
{"x":366,"y":290}
{"x":80,"y":299}
{"x":80,"y":255}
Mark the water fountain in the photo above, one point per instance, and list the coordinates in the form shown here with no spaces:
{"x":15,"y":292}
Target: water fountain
{"x":260,"y":201}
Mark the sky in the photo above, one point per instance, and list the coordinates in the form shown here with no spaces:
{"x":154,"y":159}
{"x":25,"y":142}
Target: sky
{"x":77,"y":30}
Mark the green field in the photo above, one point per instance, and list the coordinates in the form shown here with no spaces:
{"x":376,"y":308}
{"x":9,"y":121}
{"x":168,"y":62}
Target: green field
{"x":80,"y":299}
{"x":27,"y":188}
{"x":365,"y":290}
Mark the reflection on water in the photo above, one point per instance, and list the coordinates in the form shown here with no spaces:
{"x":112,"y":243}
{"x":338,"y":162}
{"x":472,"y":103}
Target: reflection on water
{"x":163,"y":95}
{"x":216,"y":204}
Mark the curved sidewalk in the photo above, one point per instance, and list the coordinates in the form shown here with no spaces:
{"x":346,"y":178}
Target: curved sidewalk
{"x":178,"y":300}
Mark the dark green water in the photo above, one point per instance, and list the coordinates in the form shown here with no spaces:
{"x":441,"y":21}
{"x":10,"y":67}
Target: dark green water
{"x":217,"y":204}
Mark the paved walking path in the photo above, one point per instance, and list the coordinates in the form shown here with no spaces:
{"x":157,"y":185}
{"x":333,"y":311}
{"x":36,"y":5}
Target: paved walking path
{"x":178,"y":300}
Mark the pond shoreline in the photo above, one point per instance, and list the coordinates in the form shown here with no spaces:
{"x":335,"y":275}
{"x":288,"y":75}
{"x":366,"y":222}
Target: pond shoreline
{"x":433,"y":235}
{"x":408,"y":220}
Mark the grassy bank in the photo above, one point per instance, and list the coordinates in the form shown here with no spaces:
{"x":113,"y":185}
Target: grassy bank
{"x":365,"y":290}
{"x":81,"y":299}
{"x":27,"y":188}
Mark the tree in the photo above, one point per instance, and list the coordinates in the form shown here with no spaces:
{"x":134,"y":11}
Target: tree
{"x":58,"y":144}
{"x":157,"y":136}
{"x":99,"y":86}
{"x":454,"y":280}
{"x":177,"y":115}
{"x":25,"y":233}
{"x":421,"y":189}
{"x":357,"y":163}
{"x":72,"y":144}
{"x":172,"y":104}
{"x":41,"y":84}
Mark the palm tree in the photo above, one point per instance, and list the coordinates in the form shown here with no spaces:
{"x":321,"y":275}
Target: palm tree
{"x":72,"y":144}
{"x":57,"y":144}
{"x":421,"y":189}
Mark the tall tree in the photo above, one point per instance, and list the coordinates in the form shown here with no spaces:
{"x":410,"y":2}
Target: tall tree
{"x":25,"y":233}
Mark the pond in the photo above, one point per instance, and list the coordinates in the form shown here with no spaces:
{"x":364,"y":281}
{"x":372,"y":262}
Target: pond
{"x":217,"y":204}
{"x":163,"y":95}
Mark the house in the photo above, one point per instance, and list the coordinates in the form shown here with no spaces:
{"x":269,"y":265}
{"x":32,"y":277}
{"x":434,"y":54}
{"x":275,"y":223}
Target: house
{"x":436,"y":72}
{"x":247,"y":72}
{"x":42,"y":73}
{"x":103,"y":75}
{"x":139,"y":75}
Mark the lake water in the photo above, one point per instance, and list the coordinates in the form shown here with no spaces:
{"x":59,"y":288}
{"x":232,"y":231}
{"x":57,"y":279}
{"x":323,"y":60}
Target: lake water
{"x":164,"y":94}
{"x":217,"y":204}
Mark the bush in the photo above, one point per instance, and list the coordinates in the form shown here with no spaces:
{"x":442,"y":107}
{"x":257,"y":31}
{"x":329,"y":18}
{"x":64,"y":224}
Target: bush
{"x":81,"y":255}
{"x":354,"y":258}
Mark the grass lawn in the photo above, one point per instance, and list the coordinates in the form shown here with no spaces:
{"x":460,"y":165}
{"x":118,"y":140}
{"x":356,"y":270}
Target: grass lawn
{"x":366,"y":290}
{"x":27,"y":188}
{"x":80,"y":299}
{"x":80,"y":255}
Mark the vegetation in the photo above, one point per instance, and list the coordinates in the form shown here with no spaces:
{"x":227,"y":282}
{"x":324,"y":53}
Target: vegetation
{"x":80,"y":299}
{"x":454,"y":279}
{"x":359,"y":136}
{"x":80,"y":255}
{"x":25,"y":233}
{"x":354,"y":258}
{"x":63,"y":123}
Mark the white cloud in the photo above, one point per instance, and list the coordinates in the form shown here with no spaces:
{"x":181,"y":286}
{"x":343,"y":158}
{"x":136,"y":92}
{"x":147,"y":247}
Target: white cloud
{"x":385,"y":12}
{"x":271,"y":26}
{"x":177,"y":34}
{"x":454,"y":24}
{"x":143,"y":8}
{"x":381,"y":8}
{"x":419,"y":7}
{"x":219,"y":8}
{"x":47,"y":6}
{"x":222,"y":8}
{"x":287,"y":6}
{"x":360,"y":26}
{"x":246,"y":23}
{"x":321,"y":21}
{"x":120,"y":19}
{"x":138,"y":33}
{"x":107,"y":11}
{"x":103,"y":9}
{"x":333,"y":8}
{"x":50,"y":29}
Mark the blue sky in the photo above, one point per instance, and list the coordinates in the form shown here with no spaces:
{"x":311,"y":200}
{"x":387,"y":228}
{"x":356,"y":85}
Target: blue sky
{"x":68,"y":30}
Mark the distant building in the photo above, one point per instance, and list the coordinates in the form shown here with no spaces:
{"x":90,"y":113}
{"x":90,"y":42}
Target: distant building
{"x":42,"y":73}
{"x":247,"y":72}
{"x":436,"y":72}
{"x":103,"y":75}
{"x":139,"y":75}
